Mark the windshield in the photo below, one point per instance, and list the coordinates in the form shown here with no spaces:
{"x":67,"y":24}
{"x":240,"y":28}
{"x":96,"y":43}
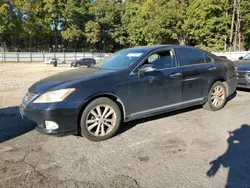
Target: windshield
{"x":122,"y":59}
{"x":247,"y":57}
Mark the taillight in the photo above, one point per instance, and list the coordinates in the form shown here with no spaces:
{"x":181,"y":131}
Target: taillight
{"x":235,"y":67}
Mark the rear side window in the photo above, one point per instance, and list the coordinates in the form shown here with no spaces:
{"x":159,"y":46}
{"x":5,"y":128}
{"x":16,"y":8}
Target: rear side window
{"x":189,"y":56}
{"x":208,"y":59}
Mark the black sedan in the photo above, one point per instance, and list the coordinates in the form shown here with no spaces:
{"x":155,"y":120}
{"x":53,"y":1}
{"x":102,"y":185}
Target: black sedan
{"x":131,"y":84}
{"x":85,"y":61}
{"x":243,"y":65}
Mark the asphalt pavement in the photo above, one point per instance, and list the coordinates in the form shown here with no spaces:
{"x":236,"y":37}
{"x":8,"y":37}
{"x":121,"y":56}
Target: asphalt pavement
{"x":187,"y":148}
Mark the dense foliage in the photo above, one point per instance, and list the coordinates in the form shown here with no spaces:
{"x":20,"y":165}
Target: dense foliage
{"x":109,"y":25}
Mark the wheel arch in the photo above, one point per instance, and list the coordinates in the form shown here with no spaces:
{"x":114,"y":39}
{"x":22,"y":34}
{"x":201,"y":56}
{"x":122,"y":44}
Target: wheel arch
{"x":221,"y":79}
{"x":112,"y":97}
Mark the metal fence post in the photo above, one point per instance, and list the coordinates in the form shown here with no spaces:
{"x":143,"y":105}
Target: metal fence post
{"x":43,"y":57}
{"x":17,"y":55}
{"x":64,"y":58}
{"x":75,"y":55}
{"x":4,"y":56}
{"x":31,"y":57}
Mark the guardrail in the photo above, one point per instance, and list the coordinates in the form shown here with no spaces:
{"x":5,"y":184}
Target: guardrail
{"x":41,"y":56}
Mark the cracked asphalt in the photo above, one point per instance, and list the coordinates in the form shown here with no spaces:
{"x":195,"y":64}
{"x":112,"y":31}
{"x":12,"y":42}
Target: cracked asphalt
{"x":187,"y":148}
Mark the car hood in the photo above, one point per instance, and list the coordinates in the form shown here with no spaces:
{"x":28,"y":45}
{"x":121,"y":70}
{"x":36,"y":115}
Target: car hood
{"x":67,"y":78}
{"x":243,"y":65}
{"x":239,"y":62}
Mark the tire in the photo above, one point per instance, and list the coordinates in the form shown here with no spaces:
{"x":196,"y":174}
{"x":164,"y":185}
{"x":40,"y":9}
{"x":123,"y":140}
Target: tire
{"x":91,"y":119}
{"x":218,"y":92}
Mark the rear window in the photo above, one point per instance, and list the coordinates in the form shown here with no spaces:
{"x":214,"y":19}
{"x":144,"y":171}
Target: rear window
{"x":208,"y":59}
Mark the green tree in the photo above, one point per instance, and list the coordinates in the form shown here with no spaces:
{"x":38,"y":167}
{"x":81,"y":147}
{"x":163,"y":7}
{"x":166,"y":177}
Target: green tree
{"x":207,"y":23}
{"x":93,"y":32}
{"x":53,"y":10}
{"x":245,"y":9}
{"x":107,"y":15}
{"x":75,"y":16}
{"x":133,"y":24}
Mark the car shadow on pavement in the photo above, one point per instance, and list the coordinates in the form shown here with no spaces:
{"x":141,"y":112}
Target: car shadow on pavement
{"x":12,"y":125}
{"x":129,"y":125}
{"x":126,"y":126}
{"x":236,"y":159}
{"x":243,"y":89}
{"x":232,"y":96}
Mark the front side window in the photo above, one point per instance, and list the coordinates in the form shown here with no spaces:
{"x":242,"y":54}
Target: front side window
{"x":161,"y":60}
{"x":189,"y":56}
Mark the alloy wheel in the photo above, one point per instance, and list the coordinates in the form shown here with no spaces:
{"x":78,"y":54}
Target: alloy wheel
{"x":101,"y":120}
{"x":218,"y":96}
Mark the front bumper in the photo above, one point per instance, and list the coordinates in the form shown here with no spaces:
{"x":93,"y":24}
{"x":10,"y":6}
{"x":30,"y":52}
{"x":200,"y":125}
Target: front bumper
{"x":61,"y":114}
{"x":243,"y":82}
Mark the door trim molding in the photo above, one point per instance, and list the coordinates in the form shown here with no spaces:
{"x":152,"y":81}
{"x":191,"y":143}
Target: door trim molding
{"x":162,"y":108}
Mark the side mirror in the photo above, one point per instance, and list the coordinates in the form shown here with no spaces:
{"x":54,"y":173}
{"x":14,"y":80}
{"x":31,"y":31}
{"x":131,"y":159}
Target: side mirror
{"x":146,"y":68}
{"x":241,"y":58}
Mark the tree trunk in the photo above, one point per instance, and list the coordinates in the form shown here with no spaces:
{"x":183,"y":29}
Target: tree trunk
{"x":225,"y":40}
{"x":232,"y":23}
{"x":239,"y":26}
{"x":30,"y":43}
{"x":182,"y":39}
{"x":56,"y":25}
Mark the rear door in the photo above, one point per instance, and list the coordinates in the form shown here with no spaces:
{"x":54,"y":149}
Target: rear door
{"x":198,"y":69}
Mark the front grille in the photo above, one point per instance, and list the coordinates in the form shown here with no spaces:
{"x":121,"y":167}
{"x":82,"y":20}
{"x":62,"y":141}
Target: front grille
{"x":242,"y":74}
{"x":27,"y":98}
{"x":241,"y":81}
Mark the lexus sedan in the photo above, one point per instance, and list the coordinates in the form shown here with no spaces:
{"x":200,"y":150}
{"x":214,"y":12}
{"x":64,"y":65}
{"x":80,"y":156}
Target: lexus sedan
{"x":130,"y":84}
{"x":85,"y":61}
{"x":243,"y":65}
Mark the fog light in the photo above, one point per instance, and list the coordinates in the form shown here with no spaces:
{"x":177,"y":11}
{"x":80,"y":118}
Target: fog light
{"x":51,"y":125}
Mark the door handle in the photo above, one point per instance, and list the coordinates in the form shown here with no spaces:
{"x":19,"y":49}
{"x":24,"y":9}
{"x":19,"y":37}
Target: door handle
{"x":175,"y":75}
{"x":212,"y":69}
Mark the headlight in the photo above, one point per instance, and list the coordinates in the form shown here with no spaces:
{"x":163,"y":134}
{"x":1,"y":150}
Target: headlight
{"x":54,"y":96}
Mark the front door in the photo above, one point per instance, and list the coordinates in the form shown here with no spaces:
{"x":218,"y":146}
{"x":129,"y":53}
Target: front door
{"x":156,"y":90}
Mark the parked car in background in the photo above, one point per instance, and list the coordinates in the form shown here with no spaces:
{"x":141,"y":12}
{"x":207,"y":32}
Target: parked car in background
{"x":50,"y":61}
{"x":243,"y":65}
{"x":131,"y":84}
{"x":83,"y":62}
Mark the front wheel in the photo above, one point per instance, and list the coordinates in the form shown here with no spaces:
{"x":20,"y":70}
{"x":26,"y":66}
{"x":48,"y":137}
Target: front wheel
{"x":100,"y":120}
{"x":217,"y":97}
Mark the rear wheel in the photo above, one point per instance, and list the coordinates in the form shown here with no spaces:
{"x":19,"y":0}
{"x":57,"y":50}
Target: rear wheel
{"x":100,"y":120}
{"x":217,"y":97}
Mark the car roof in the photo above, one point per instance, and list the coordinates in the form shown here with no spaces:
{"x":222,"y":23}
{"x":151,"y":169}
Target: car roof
{"x":158,"y":47}
{"x":152,"y":48}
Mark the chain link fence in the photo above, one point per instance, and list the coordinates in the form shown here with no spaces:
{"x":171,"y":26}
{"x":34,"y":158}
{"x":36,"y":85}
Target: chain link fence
{"x":41,"y":56}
